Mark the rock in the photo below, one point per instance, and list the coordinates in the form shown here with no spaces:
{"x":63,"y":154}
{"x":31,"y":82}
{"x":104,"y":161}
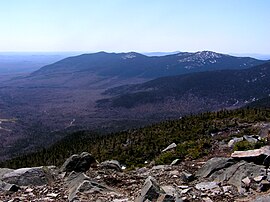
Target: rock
{"x":264,"y":185}
{"x":79,"y":183}
{"x":78,"y":163}
{"x":175,"y":162}
{"x":256,"y":155}
{"x":36,"y":176}
{"x":111,"y":164}
{"x":234,"y":174}
{"x":4,"y":171}
{"x":170,"y":196}
{"x":8,"y":187}
{"x":213,"y":165}
{"x":151,"y":190}
{"x":206,"y":186}
{"x":184,"y":191}
{"x":226,"y":188}
{"x":171,"y":146}
{"x":52,"y":195}
{"x":262,"y":199}
{"x":207,"y":199}
{"x":233,"y":141}
{"x":230,"y":172}
{"x":174,"y":172}
{"x":159,"y":167}
{"x":186,"y":176}
{"x":250,"y":139}
{"x":259,"y":178}
{"x":246,"y":181}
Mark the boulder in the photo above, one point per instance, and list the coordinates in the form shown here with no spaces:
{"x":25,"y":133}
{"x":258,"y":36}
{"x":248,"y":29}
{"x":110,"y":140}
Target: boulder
{"x":79,"y":183}
{"x":257,"y":155}
{"x":151,"y":191}
{"x":111,"y":164}
{"x":230,"y":172}
{"x":4,"y":171}
{"x":250,"y":139}
{"x":186,"y":176}
{"x":175,"y":162}
{"x":78,"y":163}
{"x":265,"y":198}
{"x":171,"y":146}
{"x":234,"y":174}
{"x":233,"y":141}
{"x":29,"y":176}
{"x":213,"y":165}
{"x":4,"y":186}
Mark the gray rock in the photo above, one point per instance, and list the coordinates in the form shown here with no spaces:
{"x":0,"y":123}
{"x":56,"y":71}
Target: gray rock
{"x":259,"y":178}
{"x":78,"y":163}
{"x":233,"y":141}
{"x":230,"y":172}
{"x":186,"y":176}
{"x":250,"y":139}
{"x":4,"y":186}
{"x":206,"y":186}
{"x":4,"y":171}
{"x":256,"y":155}
{"x":213,"y":165}
{"x":29,"y":176}
{"x":175,"y":162}
{"x":171,"y":146}
{"x":264,"y":186}
{"x":111,"y":164}
{"x":79,"y":182}
{"x":151,"y":190}
{"x":234,"y":174}
{"x":262,"y":199}
{"x":246,"y":181}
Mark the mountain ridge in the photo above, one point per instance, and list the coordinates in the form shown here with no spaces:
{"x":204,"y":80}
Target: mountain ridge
{"x":238,"y":86}
{"x":134,"y":64}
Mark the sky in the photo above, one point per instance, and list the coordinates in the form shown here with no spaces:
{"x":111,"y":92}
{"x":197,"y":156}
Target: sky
{"x":226,"y":26}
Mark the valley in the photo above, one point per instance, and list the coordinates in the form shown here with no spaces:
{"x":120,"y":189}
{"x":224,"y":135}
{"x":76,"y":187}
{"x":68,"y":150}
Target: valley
{"x":109,"y":92}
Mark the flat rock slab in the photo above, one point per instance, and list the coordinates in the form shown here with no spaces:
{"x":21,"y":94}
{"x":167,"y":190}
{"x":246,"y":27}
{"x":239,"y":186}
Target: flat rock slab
{"x":4,"y":171}
{"x":170,"y":147}
{"x":36,"y":176}
{"x":255,"y":155}
{"x":79,"y":182}
{"x":262,"y":199}
{"x":214,"y":165}
{"x":206,"y":186}
{"x":4,"y":186}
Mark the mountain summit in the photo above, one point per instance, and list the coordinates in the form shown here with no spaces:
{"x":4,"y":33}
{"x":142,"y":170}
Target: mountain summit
{"x":134,"y":64}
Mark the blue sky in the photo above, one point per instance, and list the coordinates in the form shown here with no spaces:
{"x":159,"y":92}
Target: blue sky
{"x":228,"y":26}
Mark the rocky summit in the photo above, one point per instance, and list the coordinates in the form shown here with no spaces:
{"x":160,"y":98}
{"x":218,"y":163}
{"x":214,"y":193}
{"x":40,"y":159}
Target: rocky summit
{"x":243,"y":176}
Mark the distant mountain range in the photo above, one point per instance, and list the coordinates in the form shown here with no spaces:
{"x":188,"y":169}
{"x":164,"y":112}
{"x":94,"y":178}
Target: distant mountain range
{"x":74,"y":93}
{"x":228,"y":88}
{"x":127,"y":65}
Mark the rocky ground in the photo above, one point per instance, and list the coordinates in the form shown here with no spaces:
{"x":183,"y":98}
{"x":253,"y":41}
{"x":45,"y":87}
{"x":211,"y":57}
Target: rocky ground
{"x":220,"y":176}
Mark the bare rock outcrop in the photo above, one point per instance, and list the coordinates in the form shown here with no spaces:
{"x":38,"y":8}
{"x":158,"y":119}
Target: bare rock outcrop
{"x":36,"y":176}
{"x":78,"y":163}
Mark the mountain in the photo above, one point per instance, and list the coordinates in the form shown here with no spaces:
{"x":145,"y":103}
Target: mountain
{"x":226,"y":88}
{"x":133,"y":64}
{"x":63,"y":96}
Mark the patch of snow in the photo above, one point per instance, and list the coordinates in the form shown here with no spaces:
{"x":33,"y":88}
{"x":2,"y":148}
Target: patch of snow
{"x":237,"y":101}
{"x":128,"y":56}
{"x":202,"y":58}
{"x":254,"y":80}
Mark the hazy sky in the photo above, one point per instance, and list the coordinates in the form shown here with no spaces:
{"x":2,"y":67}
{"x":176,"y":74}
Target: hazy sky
{"x":228,"y":26}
